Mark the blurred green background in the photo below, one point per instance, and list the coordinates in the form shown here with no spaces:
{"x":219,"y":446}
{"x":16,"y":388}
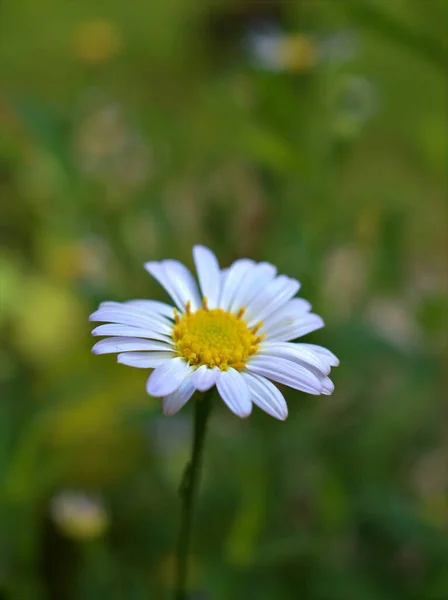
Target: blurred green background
{"x":311,"y":134}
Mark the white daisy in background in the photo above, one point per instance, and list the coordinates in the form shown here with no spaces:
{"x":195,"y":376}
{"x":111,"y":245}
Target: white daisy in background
{"x":79,"y":515}
{"x":273,"y":49}
{"x":235,"y":333}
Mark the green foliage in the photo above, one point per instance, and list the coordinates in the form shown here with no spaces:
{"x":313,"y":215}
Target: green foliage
{"x":131,"y":131}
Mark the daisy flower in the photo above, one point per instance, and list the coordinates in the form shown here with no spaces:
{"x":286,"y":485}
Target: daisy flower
{"x":233,"y":331}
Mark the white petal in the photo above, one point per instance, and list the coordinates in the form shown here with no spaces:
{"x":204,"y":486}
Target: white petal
{"x":204,"y":378}
{"x":332,"y":360}
{"x":130,"y":315}
{"x":266,"y":396}
{"x":327,"y":386}
{"x":295,"y":353}
{"x":286,"y":372}
{"x":177,"y":281}
{"x":153,"y":307}
{"x":111,"y":304}
{"x":167,"y":377}
{"x":306,"y":324}
{"x":254,"y":280}
{"x":287,"y":315}
{"x":158,"y":272}
{"x":126,"y":344}
{"x":116,"y":329}
{"x":175,"y":401}
{"x":209,"y":274}
{"x":184,"y":281}
{"x":303,"y":356}
{"x":232,"y":279}
{"x":233,"y":390}
{"x":271,"y":298}
{"x":144,"y":360}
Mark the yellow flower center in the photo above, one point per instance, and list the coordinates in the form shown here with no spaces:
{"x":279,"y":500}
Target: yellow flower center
{"x":215,"y":337}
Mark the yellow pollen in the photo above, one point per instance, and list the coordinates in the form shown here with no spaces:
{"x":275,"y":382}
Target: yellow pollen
{"x":257,"y":327}
{"x":241,"y":312}
{"x":214,"y":337}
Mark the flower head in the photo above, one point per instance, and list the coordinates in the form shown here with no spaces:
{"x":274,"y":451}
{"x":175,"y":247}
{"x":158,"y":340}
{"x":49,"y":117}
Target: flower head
{"x":234,"y":333}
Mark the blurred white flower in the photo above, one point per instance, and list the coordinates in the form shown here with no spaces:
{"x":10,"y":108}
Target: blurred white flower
{"x":273,"y":49}
{"x":344,"y":279}
{"x":78,"y":515}
{"x":394,"y":321}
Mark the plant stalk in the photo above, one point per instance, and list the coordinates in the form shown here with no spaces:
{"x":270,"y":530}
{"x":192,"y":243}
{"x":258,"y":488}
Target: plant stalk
{"x":188,"y":492}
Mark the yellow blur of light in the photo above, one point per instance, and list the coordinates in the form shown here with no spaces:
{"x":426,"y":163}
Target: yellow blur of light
{"x":94,"y":417}
{"x":88,"y":439}
{"x":68,"y":261}
{"x":98,"y":415}
{"x":49,"y":320}
{"x":93,"y":434}
{"x":72,"y":259}
{"x":297,"y":53}
{"x":96,"y":41}
{"x":79,"y":516}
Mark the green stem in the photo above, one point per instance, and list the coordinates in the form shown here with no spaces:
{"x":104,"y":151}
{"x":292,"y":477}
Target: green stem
{"x":188,"y":491}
